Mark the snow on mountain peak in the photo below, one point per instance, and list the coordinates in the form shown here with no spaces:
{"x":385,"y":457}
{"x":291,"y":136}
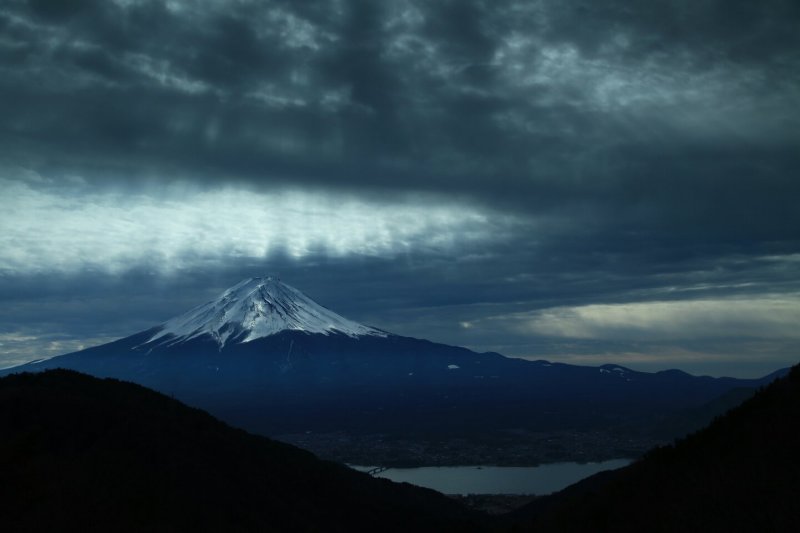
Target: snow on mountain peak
{"x":256,"y":308}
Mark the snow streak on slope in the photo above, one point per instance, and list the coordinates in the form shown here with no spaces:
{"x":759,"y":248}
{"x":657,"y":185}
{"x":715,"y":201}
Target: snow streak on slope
{"x":255,"y":308}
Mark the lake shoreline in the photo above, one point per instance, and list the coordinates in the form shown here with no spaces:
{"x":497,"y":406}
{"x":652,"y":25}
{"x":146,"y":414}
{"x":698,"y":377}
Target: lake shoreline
{"x":496,"y":480}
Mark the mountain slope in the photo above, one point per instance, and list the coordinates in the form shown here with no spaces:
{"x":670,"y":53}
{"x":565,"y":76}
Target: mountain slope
{"x":742,"y":473}
{"x":102,"y":455}
{"x":267,"y":358}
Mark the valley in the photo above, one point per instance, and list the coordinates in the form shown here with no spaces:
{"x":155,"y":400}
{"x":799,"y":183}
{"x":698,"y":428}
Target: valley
{"x":510,"y":448}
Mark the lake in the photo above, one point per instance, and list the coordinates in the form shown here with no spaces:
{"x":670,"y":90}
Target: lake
{"x":538,"y":480}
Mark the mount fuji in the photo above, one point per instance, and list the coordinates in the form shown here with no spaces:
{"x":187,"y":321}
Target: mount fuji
{"x":266,"y":357}
{"x":257,"y":308}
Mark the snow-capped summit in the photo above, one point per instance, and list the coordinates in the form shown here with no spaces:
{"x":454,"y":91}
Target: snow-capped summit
{"x":256,"y":308}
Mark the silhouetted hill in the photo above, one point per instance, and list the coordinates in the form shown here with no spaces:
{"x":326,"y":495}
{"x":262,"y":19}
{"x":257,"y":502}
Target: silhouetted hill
{"x":85,"y":454}
{"x":742,"y":473}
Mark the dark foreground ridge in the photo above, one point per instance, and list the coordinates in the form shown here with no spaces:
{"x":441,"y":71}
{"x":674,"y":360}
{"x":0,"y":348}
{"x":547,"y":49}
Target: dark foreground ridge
{"x":81,"y":453}
{"x":741,"y":473}
{"x":86,"y":454}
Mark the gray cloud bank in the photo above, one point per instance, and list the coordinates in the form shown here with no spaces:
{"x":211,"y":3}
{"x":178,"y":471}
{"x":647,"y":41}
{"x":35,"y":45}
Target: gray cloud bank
{"x":458,"y":161}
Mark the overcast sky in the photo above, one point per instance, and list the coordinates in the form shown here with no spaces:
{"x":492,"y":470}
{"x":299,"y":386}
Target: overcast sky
{"x":580,"y":181}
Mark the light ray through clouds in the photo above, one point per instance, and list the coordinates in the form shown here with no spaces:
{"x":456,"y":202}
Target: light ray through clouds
{"x":178,"y":227}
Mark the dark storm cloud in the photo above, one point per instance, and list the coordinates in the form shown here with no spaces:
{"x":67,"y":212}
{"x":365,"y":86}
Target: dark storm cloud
{"x":657,"y":118}
{"x":388,"y":95}
{"x":607,"y":152}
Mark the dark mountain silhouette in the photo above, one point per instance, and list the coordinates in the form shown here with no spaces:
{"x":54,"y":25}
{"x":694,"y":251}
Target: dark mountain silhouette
{"x":686,"y":421}
{"x":267,"y":358}
{"x":741,"y":473}
{"x":83,"y":454}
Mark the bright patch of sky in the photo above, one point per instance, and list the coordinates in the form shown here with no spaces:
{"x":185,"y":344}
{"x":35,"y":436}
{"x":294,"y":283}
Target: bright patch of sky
{"x":757,"y":316}
{"x":177,"y":227}
{"x":17,"y":348}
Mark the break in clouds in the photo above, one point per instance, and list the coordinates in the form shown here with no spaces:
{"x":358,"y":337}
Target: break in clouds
{"x":180,"y":228}
{"x":593,"y":182}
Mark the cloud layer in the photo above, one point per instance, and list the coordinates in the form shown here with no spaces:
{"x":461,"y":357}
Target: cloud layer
{"x":775,"y":317}
{"x":177,"y":228}
{"x":599,"y":168}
